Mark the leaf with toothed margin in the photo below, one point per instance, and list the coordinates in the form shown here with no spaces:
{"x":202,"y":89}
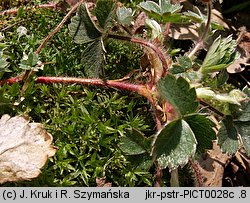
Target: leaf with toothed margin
{"x":234,"y":134}
{"x":104,"y":12}
{"x":134,"y":142}
{"x":179,"y":94}
{"x":82,"y":28}
{"x":164,"y":11}
{"x":93,"y":59}
{"x":228,"y":136}
{"x":202,"y":128}
{"x":124,"y":15}
{"x":174,"y":144}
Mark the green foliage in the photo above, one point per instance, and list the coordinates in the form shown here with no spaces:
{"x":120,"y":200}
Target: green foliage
{"x":183,"y":63}
{"x":234,"y":132}
{"x":220,"y":55}
{"x":3,"y":63}
{"x":104,"y":12}
{"x":29,"y":61}
{"x":124,"y":15}
{"x":179,"y":94}
{"x":164,"y":11}
{"x":84,"y":31}
{"x":82,"y":28}
{"x":163,"y":7}
{"x":202,"y":128}
{"x":174,"y":145}
{"x":105,"y":133}
{"x":136,"y":147}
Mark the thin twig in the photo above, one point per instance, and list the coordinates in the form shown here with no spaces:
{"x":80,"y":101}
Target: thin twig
{"x":28,"y":73}
{"x":59,"y":26}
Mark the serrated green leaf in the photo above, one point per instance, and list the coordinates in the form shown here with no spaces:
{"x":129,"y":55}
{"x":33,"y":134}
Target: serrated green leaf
{"x":195,"y":16}
{"x":228,"y":136}
{"x":82,"y":28}
{"x":164,"y":11}
{"x":93,"y":59}
{"x":174,"y":145}
{"x":124,"y":15}
{"x":163,"y":7}
{"x":244,"y":131}
{"x":141,"y":161}
{"x":179,"y":94}
{"x":220,"y":55}
{"x":150,"y":6}
{"x":133,"y":143}
{"x":202,"y":128}
{"x":103,"y":11}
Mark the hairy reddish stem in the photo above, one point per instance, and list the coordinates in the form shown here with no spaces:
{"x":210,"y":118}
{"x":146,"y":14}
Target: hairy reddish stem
{"x":140,"y":89}
{"x":10,"y":81}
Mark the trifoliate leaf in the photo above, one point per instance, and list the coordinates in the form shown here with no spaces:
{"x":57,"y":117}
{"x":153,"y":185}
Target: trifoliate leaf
{"x":179,"y":94}
{"x":220,"y":55}
{"x":93,"y":59}
{"x":124,"y":15}
{"x":174,"y":144}
{"x":82,"y":28}
{"x":202,"y":128}
{"x":164,"y":11}
{"x":104,"y":12}
{"x":163,"y":7}
{"x":228,"y":136}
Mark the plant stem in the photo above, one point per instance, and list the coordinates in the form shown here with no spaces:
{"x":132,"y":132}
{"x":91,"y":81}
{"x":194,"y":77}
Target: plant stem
{"x":158,"y":177}
{"x":140,"y":89}
{"x":201,"y":40}
{"x":174,"y":180}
